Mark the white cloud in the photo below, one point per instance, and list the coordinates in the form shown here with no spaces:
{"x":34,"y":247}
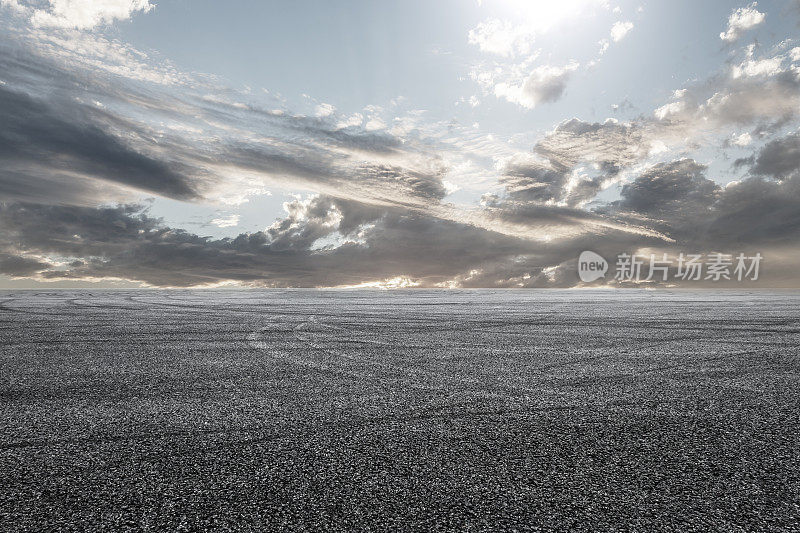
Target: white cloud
{"x":324,"y":110}
{"x":669,"y":109}
{"x":544,"y":84}
{"x":86,"y":14}
{"x":221,"y":128}
{"x":374,"y":123}
{"x":97,"y":53}
{"x":742,"y":20}
{"x":226,"y":222}
{"x":761,"y":67}
{"x":450,"y":187}
{"x":14,"y":5}
{"x":352,"y":121}
{"x":620,"y":29}
{"x":618,"y":32}
{"x":91,"y":50}
{"x":742,"y":140}
{"x":502,"y":38}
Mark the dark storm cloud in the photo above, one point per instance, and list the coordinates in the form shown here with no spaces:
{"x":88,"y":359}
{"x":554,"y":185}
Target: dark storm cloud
{"x":533,"y":182}
{"x":18,"y":266}
{"x":377,"y":243}
{"x":670,"y":189}
{"x":75,"y":231}
{"x":779,"y":158}
{"x":757,"y":211}
{"x":743,"y":162}
{"x":607,"y":147}
{"x":769,"y":128}
{"x":36,"y":183}
{"x":78,"y":132}
{"x":123,"y":242}
{"x":62,"y":137}
{"x":70,"y":121}
{"x":318,"y":218}
{"x":678,"y":199}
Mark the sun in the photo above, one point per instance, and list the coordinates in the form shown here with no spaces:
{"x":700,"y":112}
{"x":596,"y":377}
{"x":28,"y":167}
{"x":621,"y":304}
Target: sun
{"x":542,"y":15}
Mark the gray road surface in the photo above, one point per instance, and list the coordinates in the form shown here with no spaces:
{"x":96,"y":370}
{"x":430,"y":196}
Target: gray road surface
{"x":408,"y":410}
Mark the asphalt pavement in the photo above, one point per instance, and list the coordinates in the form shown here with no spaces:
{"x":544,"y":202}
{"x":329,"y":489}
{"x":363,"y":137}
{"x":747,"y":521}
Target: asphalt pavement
{"x":399,"y":411}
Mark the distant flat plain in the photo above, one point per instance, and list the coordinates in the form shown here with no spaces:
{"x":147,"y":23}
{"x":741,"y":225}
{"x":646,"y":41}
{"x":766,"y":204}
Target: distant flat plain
{"x":306,"y":410}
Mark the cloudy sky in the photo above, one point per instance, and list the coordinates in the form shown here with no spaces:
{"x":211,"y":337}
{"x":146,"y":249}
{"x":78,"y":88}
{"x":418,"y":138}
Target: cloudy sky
{"x":412,"y":143}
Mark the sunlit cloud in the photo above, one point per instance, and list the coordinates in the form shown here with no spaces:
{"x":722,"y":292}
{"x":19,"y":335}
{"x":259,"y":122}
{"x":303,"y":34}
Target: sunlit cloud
{"x":497,"y":180}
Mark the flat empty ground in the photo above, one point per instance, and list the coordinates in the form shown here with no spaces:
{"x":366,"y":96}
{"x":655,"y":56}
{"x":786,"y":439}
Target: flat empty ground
{"x":411,"y":410}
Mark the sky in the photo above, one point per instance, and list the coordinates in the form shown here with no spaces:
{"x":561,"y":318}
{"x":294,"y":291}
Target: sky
{"x":452,"y":144}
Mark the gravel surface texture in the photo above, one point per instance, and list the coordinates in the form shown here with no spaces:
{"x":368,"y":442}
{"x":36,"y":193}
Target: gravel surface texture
{"x":400,"y":411}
